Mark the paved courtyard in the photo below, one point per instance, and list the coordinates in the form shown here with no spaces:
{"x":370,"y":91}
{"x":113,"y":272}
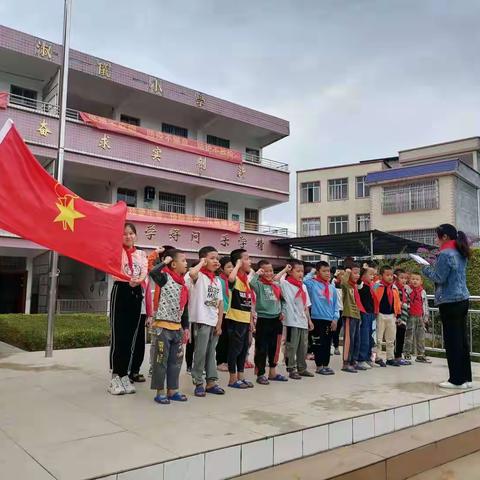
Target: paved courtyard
{"x":57,"y":420}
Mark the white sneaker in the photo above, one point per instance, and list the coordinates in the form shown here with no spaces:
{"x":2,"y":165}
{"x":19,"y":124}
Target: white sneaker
{"x":127,"y":384}
{"x":365,"y":365}
{"x":470,"y":384}
{"x":116,"y":386}
{"x":452,"y":386}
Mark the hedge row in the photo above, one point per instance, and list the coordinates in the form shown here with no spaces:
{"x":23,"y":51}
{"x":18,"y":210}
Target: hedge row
{"x":29,"y":332}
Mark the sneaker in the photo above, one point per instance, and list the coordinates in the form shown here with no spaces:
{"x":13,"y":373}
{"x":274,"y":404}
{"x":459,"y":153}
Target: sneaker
{"x":423,"y":359}
{"x":336,"y":351}
{"x":116,"y":386}
{"x":393,"y":363}
{"x":127,"y":385}
{"x":295,"y":375}
{"x":349,"y":369}
{"x":331,"y":371}
{"x":470,"y":384}
{"x":403,"y":362}
{"x":371,"y":364}
{"x":452,"y":386}
{"x":407,"y":356}
{"x":306,"y":373}
{"x":380,"y":362}
{"x":362,"y":366}
{"x":189,"y":370}
{"x":325,"y":371}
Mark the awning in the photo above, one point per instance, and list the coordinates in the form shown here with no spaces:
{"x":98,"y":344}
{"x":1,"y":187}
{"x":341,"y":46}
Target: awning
{"x":355,"y":244}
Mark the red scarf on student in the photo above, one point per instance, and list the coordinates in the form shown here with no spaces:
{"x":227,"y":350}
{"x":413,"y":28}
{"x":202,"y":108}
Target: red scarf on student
{"x":403,"y":291}
{"x":299,"y":284}
{"x":276,"y":289}
{"x":226,"y":291}
{"x":326,"y":286}
{"x":356,"y":295}
{"x":449,"y":244}
{"x":181,"y":281}
{"x":243,"y":277}
{"x":209,"y":274}
{"x":389,"y":289}
{"x":376,"y":303}
{"x":129,"y":251}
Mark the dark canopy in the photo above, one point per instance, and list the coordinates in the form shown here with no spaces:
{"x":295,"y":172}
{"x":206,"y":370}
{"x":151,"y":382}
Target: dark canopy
{"x":356,"y":244}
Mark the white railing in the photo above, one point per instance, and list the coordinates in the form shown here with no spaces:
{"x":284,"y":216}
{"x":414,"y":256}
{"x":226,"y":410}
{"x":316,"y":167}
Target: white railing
{"x":82,"y":305}
{"x":434,"y":337}
{"x":250,"y":227}
{"x":53,"y":110}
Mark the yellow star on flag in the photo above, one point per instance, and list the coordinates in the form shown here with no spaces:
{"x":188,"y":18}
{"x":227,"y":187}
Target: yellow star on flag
{"x":68,"y":215}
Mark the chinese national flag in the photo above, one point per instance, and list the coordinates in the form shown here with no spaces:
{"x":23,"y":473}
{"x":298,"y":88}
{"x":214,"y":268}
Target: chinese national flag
{"x":35,"y":206}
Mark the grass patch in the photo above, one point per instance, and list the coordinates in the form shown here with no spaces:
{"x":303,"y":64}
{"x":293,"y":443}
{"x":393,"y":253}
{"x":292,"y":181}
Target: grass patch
{"x":29,"y":332}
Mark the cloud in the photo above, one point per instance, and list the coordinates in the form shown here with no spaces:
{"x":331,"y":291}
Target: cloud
{"x":357,"y":80}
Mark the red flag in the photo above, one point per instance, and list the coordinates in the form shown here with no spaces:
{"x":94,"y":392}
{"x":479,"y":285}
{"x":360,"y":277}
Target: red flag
{"x":35,"y":206}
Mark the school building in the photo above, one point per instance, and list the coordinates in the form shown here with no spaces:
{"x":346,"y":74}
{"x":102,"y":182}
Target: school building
{"x":190,"y":166}
{"x":408,"y":195}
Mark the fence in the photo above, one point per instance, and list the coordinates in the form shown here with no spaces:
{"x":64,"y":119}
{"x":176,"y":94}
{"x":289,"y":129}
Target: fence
{"x":434,"y":337}
{"x":82,"y":306}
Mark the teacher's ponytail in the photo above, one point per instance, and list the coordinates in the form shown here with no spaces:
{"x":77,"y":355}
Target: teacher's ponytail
{"x":461,"y":240}
{"x":463,"y":245}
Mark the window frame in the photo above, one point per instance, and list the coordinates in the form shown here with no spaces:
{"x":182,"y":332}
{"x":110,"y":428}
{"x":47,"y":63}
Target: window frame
{"x":175,"y":207}
{"x":176,"y":130}
{"x":216,"y":204}
{"x":310,"y":222}
{"x":345,"y":221}
{"x":411,"y":197}
{"x":343,"y":184}
{"x":366,"y":188}
{"x":125,"y":194}
{"x":304,"y":189}
{"x":129,"y":120}
{"x":357,"y":219}
{"x":218,"y":141}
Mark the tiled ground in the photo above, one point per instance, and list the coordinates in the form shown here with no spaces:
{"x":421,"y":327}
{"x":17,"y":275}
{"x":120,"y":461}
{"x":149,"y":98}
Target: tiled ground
{"x":57,"y":420}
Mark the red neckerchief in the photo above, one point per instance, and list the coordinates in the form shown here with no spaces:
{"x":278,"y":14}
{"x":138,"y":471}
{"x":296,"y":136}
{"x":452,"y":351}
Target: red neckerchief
{"x":177,"y":278}
{"x":403,"y":291}
{"x":129,"y":251}
{"x":276,"y":289}
{"x":416,"y":293}
{"x":225,"y":285}
{"x":243,"y":277}
{"x":211,"y":275}
{"x":356,"y":295}
{"x":326,"y":286}
{"x":299,"y":284}
{"x":449,"y":244}
{"x":389,"y":288}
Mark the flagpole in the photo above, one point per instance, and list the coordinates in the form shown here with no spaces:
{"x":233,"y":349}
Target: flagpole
{"x":53,"y":278}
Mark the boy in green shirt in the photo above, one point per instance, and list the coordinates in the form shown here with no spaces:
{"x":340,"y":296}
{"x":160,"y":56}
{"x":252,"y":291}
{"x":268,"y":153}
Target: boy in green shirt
{"x":268,"y":333}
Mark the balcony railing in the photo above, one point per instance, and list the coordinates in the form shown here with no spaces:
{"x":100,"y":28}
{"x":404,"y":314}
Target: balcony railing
{"x":82,"y":306}
{"x":267,"y":229}
{"x":45,"y":108}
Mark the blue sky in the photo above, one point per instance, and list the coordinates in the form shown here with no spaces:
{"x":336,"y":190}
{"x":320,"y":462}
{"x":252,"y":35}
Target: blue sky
{"x":356,"y":79}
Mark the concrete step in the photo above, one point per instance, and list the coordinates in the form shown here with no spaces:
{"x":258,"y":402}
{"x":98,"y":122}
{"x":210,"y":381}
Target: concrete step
{"x":396,"y":456}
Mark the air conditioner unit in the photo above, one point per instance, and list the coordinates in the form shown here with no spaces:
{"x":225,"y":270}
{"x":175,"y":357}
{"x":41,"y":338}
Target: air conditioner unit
{"x":149,"y":194}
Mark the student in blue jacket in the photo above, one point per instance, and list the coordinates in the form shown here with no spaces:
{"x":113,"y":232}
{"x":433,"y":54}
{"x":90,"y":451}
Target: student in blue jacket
{"x":324,"y":312}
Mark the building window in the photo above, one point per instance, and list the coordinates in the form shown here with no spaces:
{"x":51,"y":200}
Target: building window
{"x":426,"y":236}
{"x":130,"y":120}
{"x":338,"y":189}
{"x":338,"y":224}
{"x":252,"y":155}
{"x":363,"y":222}
{"x":219,"y":142}
{"x":174,"y":130}
{"x":362,"y":189}
{"x":311,"y":258}
{"x":127,"y":196}
{"x":310,"y":192}
{"x":251,"y":219}
{"x":216,"y":209}
{"x":23,"y":96}
{"x":310,"y":227}
{"x":411,"y":197}
{"x":172,"y":202}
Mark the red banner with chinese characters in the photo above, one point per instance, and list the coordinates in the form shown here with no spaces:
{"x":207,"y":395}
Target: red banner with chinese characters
{"x":154,"y":216}
{"x":3,"y":100}
{"x":164,"y":139}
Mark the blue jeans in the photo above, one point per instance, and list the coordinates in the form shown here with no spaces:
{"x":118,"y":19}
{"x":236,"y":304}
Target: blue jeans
{"x":351,"y":340}
{"x":366,"y":330}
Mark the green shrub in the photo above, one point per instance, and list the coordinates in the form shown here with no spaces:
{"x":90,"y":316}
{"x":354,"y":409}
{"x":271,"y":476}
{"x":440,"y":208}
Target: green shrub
{"x":29,"y":332}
